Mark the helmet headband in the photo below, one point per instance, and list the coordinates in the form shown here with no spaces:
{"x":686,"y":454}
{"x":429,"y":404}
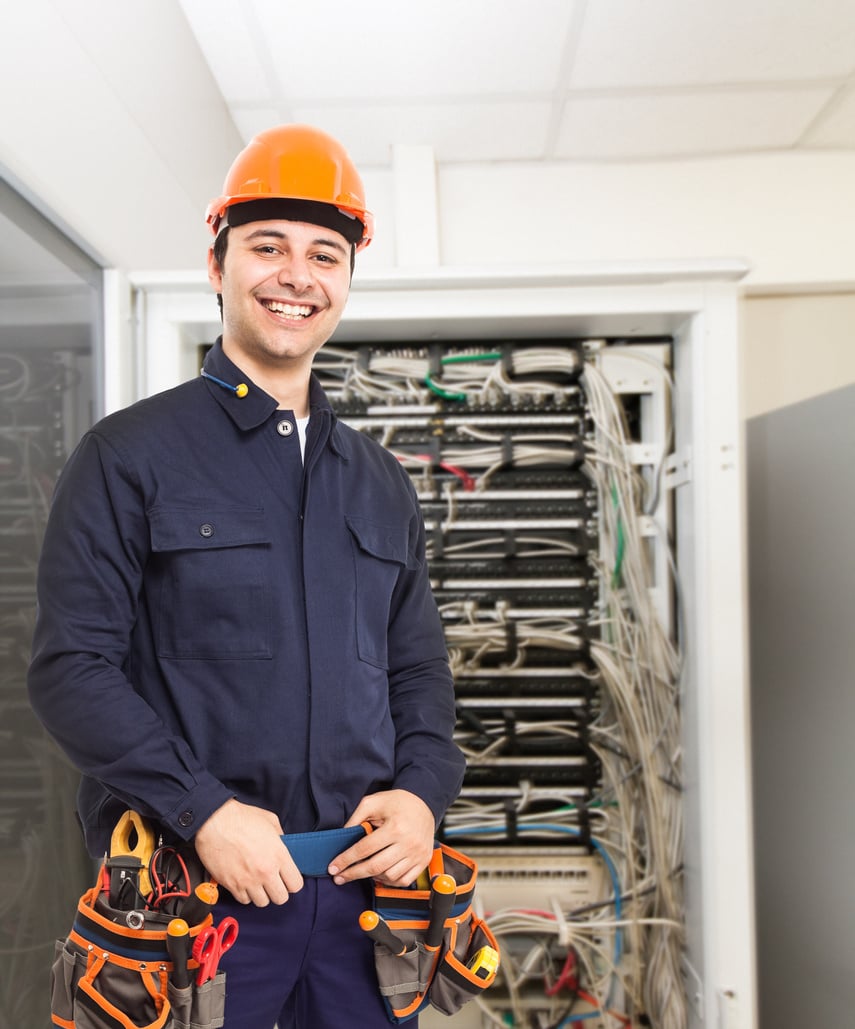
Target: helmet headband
{"x":285,"y":208}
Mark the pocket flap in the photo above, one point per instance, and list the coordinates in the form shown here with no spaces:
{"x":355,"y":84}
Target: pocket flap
{"x":203,"y":528}
{"x":387,"y":542}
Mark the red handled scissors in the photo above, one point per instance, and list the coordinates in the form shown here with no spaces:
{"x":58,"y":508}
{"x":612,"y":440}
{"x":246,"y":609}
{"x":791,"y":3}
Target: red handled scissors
{"x":210,"y":945}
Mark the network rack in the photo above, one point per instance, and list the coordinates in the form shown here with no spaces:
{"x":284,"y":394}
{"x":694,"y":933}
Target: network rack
{"x":539,"y":465}
{"x":45,"y":397}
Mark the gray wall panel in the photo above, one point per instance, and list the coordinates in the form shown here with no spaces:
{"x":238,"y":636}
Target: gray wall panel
{"x":801,"y":527}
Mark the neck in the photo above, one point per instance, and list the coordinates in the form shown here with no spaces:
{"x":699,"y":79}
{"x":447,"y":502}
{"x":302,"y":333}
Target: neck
{"x":289,"y":396}
{"x":286,"y":381}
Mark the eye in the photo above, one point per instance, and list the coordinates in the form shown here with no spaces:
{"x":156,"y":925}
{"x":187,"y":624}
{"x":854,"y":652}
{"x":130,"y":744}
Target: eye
{"x":266,"y":248}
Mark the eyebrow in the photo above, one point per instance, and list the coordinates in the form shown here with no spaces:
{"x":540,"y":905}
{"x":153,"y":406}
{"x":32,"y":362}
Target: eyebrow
{"x":277,"y":234}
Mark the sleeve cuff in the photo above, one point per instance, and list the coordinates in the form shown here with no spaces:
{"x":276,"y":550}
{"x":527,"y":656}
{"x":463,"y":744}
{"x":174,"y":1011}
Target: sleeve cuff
{"x":196,"y":808}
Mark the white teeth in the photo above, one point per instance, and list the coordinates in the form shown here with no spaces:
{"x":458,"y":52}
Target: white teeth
{"x":289,"y":310}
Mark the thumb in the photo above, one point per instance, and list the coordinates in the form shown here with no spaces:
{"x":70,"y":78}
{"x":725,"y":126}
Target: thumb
{"x":366,"y":811}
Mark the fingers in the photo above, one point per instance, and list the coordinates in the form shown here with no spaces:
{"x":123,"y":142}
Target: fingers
{"x":241,"y":847}
{"x":272,"y":890}
{"x":391,"y":865}
{"x":397,"y":850}
{"x":262,"y":876}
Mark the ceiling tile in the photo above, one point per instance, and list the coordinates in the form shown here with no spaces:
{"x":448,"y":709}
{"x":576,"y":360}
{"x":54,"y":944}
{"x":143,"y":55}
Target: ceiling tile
{"x":378,"y":49}
{"x":667,"y":42}
{"x":686,"y":123}
{"x":459,"y":132}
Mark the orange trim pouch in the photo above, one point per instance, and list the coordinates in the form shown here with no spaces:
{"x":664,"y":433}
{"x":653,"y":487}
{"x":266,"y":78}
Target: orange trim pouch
{"x":426,"y":939}
{"x":113,"y":971}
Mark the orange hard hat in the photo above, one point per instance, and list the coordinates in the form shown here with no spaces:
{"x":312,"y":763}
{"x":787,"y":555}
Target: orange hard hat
{"x":295,"y":163}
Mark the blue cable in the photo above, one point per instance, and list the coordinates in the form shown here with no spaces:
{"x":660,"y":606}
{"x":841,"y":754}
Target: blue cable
{"x":240,"y":390}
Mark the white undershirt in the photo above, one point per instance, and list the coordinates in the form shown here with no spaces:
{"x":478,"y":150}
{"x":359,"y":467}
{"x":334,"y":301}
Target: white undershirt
{"x":302,"y":423}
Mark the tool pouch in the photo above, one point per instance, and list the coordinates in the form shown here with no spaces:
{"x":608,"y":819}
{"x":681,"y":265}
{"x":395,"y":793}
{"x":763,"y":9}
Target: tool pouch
{"x":109,"y":975}
{"x":420,"y":976}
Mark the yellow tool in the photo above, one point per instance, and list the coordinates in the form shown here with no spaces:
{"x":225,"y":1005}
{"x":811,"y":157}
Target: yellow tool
{"x":483,"y":962}
{"x":133,"y":837}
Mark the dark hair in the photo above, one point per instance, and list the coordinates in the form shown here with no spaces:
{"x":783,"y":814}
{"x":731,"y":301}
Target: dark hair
{"x":221,"y":245}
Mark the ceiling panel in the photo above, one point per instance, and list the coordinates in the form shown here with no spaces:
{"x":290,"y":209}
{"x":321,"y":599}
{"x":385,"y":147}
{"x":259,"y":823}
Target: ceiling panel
{"x":549,"y":79}
{"x":686,"y":42}
{"x":376,"y":50}
{"x":463,"y":131}
{"x":671,"y":42}
{"x":670,"y":125}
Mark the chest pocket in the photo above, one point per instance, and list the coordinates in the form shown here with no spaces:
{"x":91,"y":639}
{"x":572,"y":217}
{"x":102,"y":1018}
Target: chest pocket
{"x":214,"y":597}
{"x":380,"y":554}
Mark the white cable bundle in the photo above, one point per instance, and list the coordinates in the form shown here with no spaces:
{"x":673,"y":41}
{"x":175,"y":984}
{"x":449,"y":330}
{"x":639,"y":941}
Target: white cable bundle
{"x":637,"y":735}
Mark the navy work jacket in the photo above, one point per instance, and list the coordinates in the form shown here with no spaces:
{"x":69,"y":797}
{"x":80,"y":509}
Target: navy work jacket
{"x":218,"y":618}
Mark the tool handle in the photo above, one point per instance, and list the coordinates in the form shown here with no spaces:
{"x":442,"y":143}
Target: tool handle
{"x":178,"y":945}
{"x":196,"y":907}
{"x":443,"y":890}
{"x":371,"y":923}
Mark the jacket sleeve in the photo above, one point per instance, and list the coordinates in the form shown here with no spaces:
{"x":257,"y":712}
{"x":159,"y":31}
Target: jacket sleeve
{"x":421,"y":691}
{"x":90,"y":577}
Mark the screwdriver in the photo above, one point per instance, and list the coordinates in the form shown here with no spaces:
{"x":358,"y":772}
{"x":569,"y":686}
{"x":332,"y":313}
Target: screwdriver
{"x":196,"y":907}
{"x":443,"y":890}
{"x":371,"y":923}
{"x":178,"y":945}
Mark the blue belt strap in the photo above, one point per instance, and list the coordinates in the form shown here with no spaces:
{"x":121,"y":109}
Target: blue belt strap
{"x":313,"y":851}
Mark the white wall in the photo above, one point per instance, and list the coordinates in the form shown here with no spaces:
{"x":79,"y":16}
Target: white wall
{"x":791,"y":216}
{"x":795,"y":347}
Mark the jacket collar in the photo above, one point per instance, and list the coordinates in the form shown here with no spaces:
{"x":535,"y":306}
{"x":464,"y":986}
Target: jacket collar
{"x":246,"y":412}
{"x":250,"y":411}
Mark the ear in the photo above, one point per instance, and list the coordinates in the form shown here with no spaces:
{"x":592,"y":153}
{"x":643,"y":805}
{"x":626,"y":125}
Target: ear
{"x":215,"y":272}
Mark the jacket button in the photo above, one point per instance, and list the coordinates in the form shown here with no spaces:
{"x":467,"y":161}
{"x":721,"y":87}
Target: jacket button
{"x":206,"y":530}
{"x":284,"y":428}
{"x":185,"y":819}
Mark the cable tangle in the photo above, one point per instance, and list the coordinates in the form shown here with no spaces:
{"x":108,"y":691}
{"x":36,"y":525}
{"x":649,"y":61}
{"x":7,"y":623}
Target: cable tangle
{"x":539,"y":531}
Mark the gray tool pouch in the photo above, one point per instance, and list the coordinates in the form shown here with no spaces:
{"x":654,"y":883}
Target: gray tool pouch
{"x":107,"y":974}
{"x":443,"y":976}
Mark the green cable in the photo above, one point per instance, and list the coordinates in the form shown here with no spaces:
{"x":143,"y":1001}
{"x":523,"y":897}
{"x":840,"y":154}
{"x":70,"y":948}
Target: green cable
{"x":594,"y":803}
{"x":440,"y":392}
{"x":621,"y":542}
{"x":463,"y":358}
{"x":456,"y":359}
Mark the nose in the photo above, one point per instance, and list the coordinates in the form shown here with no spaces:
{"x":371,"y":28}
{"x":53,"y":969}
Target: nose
{"x":295,"y":272}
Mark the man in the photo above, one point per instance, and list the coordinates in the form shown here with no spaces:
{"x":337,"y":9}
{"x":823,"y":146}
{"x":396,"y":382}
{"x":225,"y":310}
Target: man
{"x":236,"y":635}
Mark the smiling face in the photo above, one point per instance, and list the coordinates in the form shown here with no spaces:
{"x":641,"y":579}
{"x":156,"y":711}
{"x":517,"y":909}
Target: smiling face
{"x":284,"y":286}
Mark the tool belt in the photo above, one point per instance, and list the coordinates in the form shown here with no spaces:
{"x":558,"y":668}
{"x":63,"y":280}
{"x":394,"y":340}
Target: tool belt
{"x":418,"y":972}
{"x":114,"y":969}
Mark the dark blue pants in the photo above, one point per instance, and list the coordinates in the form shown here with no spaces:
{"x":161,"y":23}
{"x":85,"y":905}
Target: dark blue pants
{"x":305,"y":964}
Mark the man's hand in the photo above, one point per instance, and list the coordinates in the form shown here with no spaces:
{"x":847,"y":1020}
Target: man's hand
{"x":240,"y":846}
{"x":400,"y":846}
